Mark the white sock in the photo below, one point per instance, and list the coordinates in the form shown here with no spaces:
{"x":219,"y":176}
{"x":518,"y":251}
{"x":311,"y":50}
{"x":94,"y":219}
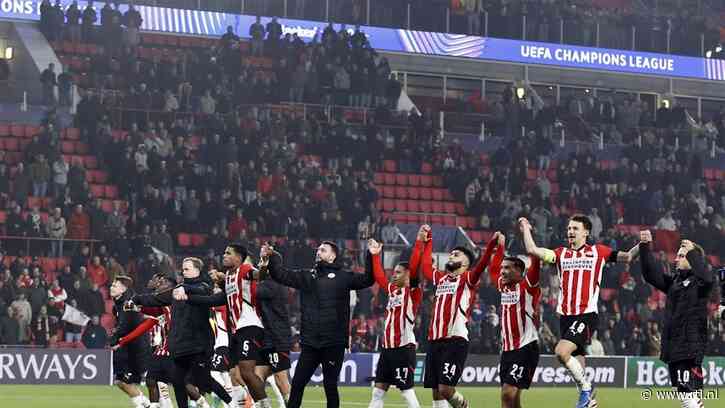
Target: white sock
{"x":577,"y":372}
{"x":164,"y":396}
{"x":140,"y":401}
{"x":273,"y":383}
{"x":265,"y":403}
{"x":239,"y":394}
{"x":155,"y":405}
{"x":410,"y":397}
{"x":440,"y":404}
{"x":457,"y":400}
{"x":377,"y":399}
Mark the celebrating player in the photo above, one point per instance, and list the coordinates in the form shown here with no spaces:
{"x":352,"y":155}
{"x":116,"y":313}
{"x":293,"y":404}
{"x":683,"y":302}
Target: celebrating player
{"x":397,"y":360}
{"x":240,"y":297}
{"x":190,"y":336}
{"x":580,"y":267}
{"x":684,"y":336}
{"x":129,"y":362}
{"x":520,"y":295}
{"x":325,"y":301}
{"x":448,"y":331}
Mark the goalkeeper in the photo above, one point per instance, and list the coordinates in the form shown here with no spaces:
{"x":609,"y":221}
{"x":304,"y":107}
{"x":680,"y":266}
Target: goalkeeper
{"x":684,"y":334}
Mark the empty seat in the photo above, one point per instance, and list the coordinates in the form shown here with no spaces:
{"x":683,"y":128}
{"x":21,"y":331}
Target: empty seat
{"x":388,"y":205}
{"x":184,"y":240}
{"x":437,"y":194}
{"x":67,"y":147}
{"x":413,"y":180}
{"x":426,"y":193}
{"x":111,"y":191}
{"x":449,"y":221}
{"x":198,"y":240}
{"x":390,"y":166}
{"x":424,"y":206}
{"x":17,"y":130}
{"x":389,"y":179}
{"x":81,"y":148}
{"x":436,"y":220}
{"x":401,"y":192}
{"x":71,"y":133}
{"x":11,"y":144}
{"x":437,"y":181}
{"x":388,"y":192}
{"x":449,"y":207}
{"x":436,"y":206}
{"x":90,"y":162}
{"x":4,"y":130}
{"x":426,"y":168}
{"x":401,"y":179}
{"x":98,"y":190}
{"x":379,"y":178}
{"x":401,"y":205}
{"x":413,"y":206}
{"x":460,"y":209}
{"x":413,"y":193}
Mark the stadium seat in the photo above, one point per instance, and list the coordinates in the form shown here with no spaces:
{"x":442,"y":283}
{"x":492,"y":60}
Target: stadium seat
{"x":401,"y":179}
{"x":413,"y":193}
{"x":90,"y":162}
{"x":426,"y":180}
{"x":426,"y":193}
{"x":401,"y":205}
{"x":4,"y":130}
{"x":437,"y":181}
{"x":109,"y":305}
{"x":436,"y":220}
{"x":17,"y":130}
{"x":413,"y":180}
{"x":107,"y":205}
{"x":436,"y":206}
{"x":390,"y":179}
{"x":81,"y":148}
{"x":388,"y":205}
{"x":184,"y":240}
{"x":389,"y":192}
{"x":33,"y":202}
{"x":198,"y":240}
{"x":449,"y":221}
{"x":424,"y":206}
{"x":111,"y":191}
{"x":11,"y":144}
{"x":449,"y":207}
{"x":437,"y":194}
{"x":67,"y":147}
{"x":413,"y":205}
{"x":98,"y":190}
{"x":426,"y":168}
{"x":390,"y":166}
{"x":379,"y":178}
{"x":401,"y":192}
{"x":3,"y":217}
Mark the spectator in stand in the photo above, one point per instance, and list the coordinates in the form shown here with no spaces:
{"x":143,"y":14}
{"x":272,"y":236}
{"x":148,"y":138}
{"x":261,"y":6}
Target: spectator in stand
{"x":666,"y":223}
{"x":474,"y":14}
{"x":72,"y":331}
{"x":94,"y":335}
{"x":37,"y":294}
{"x":256,"y":31}
{"x":207,"y":103}
{"x":45,"y":19}
{"x":161,"y":240}
{"x":21,"y":184}
{"x":60,"y":176}
{"x":91,"y":302}
{"x":24,"y":315}
{"x":115,"y":220}
{"x":56,"y":230}
{"x":274,"y":34}
{"x":48,"y":82}
{"x":40,"y":176}
{"x":73,"y":28}
{"x":65,"y":87}
{"x":9,"y":327}
{"x":42,"y":328}
{"x":88,"y":19}
{"x":132,"y":20}
{"x":79,"y":225}
{"x":56,"y":298}
{"x":192,"y":204}
{"x":97,"y":272}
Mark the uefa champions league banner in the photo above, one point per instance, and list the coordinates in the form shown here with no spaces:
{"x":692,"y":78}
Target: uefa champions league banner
{"x":651,"y":372}
{"x":210,"y":23}
{"x":55,"y":366}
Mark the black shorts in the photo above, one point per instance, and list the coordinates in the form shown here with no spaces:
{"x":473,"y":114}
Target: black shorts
{"x":278,"y":360}
{"x":518,"y":366}
{"x":128,"y":368}
{"x":245,"y":344}
{"x":444,"y":362}
{"x":578,"y":330}
{"x":396,"y":367}
{"x":161,"y":368}
{"x":686,"y":375}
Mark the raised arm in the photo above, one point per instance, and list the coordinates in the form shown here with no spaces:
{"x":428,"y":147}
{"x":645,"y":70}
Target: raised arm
{"x":650,"y":272}
{"x":422,"y":240}
{"x":142,"y":328}
{"x":628,"y":256}
{"x":278,"y":272}
{"x":534,"y":272}
{"x":545,"y":254}
{"x":377,"y":265}
{"x":216,"y":299}
{"x":484,"y":260}
{"x":494,"y":269}
{"x":154,"y":299}
{"x":365,"y":280}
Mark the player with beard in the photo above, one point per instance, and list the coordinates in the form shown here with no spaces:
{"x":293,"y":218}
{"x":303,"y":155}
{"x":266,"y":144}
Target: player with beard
{"x":397,"y":359}
{"x":161,"y":367}
{"x":455,"y":292}
{"x":129,"y":362}
{"x":580,"y":268}
{"x":240,"y":297}
{"x":520,"y":296}
{"x":684,"y":334}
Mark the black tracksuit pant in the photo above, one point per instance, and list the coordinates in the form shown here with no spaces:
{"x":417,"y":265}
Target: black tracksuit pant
{"x":310,"y":358}
{"x":198,"y":366}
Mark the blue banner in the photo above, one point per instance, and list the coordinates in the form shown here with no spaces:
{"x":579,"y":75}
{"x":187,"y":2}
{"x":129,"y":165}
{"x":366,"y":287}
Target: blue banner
{"x":210,"y":23}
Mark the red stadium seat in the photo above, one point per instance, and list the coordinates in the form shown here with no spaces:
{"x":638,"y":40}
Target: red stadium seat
{"x":389,"y":192}
{"x":390,"y":179}
{"x":449,"y":207}
{"x":449,"y":221}
{"x":11,"y":144}
{"x":413,"y":206}
{"x":90,"y":162}
{"x":101,"y":176}
{"x":413,"y":193}
{"x":33,"y":202}
{"x":17,"y":130}
{"x":426,"y":168}
{"x":67,"y":147}
{"x":401,"y":192}
{"x":3,"y":217}
{"x":401,"y":179}
{"x":4,"y":130}
{"x":437,"y":181}
{"x":81,"y":148}
{"x":379,"y":178}
{"x":107,"y":205}
{"x":413,"y":180}
{"x":437,"y":194}
{"x":424,"y":206}
{"x":198,"y":240}
{"x":401,"y":205}
{"x":111,"y":191}
{"x":436,"y":220}
{"x":184,"y":240}
{"x":390,"y":166}
{"x":426,"y":193}
{"x":437,"y":206}
{"x":426,"y":181}
{"x":388,"y":205}
{"x":98,"y":191}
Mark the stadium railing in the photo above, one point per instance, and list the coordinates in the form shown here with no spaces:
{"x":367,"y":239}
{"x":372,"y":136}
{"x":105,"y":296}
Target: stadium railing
{"x":25,"y":243}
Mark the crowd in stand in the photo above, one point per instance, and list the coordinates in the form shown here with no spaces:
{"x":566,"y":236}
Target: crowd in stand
{"x":247,"y":180}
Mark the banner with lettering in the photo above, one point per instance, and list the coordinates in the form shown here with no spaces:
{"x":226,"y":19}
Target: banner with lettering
{"x":652,"y":372}
{"x":55,"y":366}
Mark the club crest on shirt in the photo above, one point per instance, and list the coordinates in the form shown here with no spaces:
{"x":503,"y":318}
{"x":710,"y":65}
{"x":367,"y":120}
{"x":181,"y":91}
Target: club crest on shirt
{"x":231,"y":288}
{"x":510,"y":298}
{"x":395,"y":301}
{"x":331,"y":275}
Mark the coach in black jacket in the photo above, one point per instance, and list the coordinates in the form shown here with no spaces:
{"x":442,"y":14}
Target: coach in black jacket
{"x":325,"y":300}
{"x":684,"y":335}
{"x":191,"y":341}
{"x":273,"y":358}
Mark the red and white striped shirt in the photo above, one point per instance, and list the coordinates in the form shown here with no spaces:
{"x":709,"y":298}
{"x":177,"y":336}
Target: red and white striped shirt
{"x":519,"y":305}
{"x":160,"y":333}
{"x":241,"y":292}
{"x":454,"y":299}
{"x":402,"y":308}
{"x":580,"y":273}
{"x":221,"y":329}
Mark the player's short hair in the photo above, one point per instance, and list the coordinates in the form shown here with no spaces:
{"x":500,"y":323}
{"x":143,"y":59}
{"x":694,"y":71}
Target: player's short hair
{"x":332,"y":245}
{"x":467,"y":252}
{"x":404,"y":264}
{"x":240,"y":250}
{"x":700,"y":250}
{"x":125,"y":280}
{"x":583,"y":219}
{"x":166,"y":277}
{"x":518,"y":262}
{"x":198,"y":263}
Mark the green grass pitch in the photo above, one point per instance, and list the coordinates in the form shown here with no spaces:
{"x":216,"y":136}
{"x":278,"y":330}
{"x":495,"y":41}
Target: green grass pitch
{"x":77,"y":396}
